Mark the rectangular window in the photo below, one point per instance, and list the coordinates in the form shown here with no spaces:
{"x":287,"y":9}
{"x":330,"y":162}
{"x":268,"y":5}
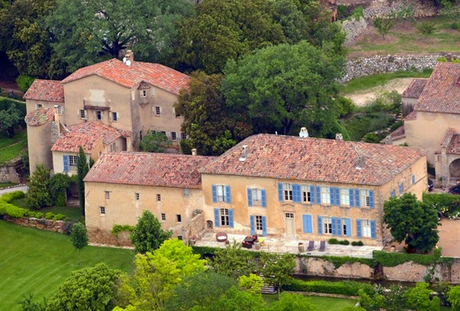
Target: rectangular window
{"x":143,"y":93}
{"x":326,"y":195}
{"x":220,"y":193}
{"x":183,"y":136}
{"x":173,"y":136}
{"x":136,"y":196}
{"x":114,"y":116}
{"x":39,"y":106}
{"x":327,"y":225}
{"x":345,"y":229}
{"x":107,"y":195}
{"x":257,"y":197}
{"x":287,"y":188}
{"x":366,"y":228}
{"x":259,"y":224}
{"x":224,"y":221}
{"x":179,"y":218}
{"x":157,"y":110}
{"x":158,"y":197}
{"x":82,"y":114}
{"x":365,"y":198}
{"x":73,"y":160}
{"x":102,"y":210}
{"x":164,"y":133}
{"x":163,"y":216}
{"x":306,"y":194}
{"x":175,"y":113}
{"x":99,"y":115}
{"x":345,"y":197}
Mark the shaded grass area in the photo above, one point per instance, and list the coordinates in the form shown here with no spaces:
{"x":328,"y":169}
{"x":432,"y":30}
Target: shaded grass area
{"x":321,"y":303}
{"x":368,"y":82}
{"x":72,"y":213}
{"x":361,"y":124}
{"x":8,"y":184}
{"x":11,"y":147}
{"x":35,"y":261}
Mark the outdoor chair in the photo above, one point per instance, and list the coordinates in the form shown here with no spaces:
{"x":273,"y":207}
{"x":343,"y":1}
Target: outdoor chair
{"x":311,"y":246}
{"x":322,"y":246}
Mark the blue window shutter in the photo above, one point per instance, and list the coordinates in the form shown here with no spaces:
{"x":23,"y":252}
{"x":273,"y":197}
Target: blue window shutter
{"x":230,"y":218}
{"x":227,"y":195}
{"x":264,"y":198}
{"x":318,"y":194}
{"x":371,"y":198}
{"x":352,"y":197}
{"x":332,"y":196}
{"x":214,"y":193}
{"x":320,"y":225}
{"x":334,"y":225}
{"x":253,"y":225}
{"x":337,"y":196}
{"x":392,"y":193}
{"x":358,"y":228}
{"x":357,"y":198}
{"x":400,"y":189}
{"x":216,"y":217}
{"x":373,"y":229}
{"x":413,"y":179}
{"x":249,"y":197}
{"x":307,"y":227}
{"x":296,"y":193}
{"x":348,"y":224}
{"x":280,"y":192}
{"x":312,"y":194}
{"x":339,"y":226}
{"x":264,"y":225}
{"x":66,"y":162}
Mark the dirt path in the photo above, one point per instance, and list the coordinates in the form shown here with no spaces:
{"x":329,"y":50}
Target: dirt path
{"x":362,"y":98}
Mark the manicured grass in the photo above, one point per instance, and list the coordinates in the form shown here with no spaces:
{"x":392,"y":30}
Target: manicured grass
{"x":72,"y":213}
{"x":368,"y":82}
{"x":8,"y":184}
{"x":35,"y":261}
{"x":321,"y":303}
{"x":11,"y":147}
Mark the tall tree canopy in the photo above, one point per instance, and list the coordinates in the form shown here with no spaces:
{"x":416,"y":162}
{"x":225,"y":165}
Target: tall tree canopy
{"x":412,"y":221}
{"x":211,"y":126}
{"x":90,"y":31}
{"x":148,"y":235}
{"x":285,"y":86}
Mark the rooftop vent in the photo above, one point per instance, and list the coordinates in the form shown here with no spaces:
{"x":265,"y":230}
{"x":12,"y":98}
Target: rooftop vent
{"x":303,"y":132}
{"x":339,"y":136}
{"x":388,"y":140}
{"x":244,"y":153}
{"x":129,"y":58}
{"x":194,"y":152}
{"x":361,"y":162}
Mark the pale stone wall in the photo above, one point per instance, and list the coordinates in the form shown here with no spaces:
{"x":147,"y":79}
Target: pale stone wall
{"x":39,"y":141}
{"x":354,"y":28}
{"x":8,"y":174}
{"x":42,"y":224}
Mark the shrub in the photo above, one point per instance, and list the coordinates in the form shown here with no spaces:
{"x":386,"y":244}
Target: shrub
{"x":357,"y":243}
{"x":59,"y":217}
{"x":344,"y":242}
{"x":371,"y":138}
{"x":396,"y":125}
{"x":24,"y":82}
{"x":11,"y":210}
{"x":49,"y":215}
{"x":31,"y":214}
{"x":394,"y":259}
{"x":333,"y":241}
{"x":342,"y":11}
{"x":8,"y":197}
{"x":348,"y":288}
{"x":426,"y":29}
{"x":185,"y":146}
{"x":39,"y":215}
{"x":118,"y":228}
{"x":445,"y":203}
{"x":358,"y":13}
{"x":346,"y":106}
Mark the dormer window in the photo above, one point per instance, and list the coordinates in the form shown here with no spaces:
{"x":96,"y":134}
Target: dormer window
{"x":99,"y":115}
{"x":143,"y":93}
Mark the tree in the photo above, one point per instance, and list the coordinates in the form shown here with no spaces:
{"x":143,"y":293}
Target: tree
{"x":156,"y":275}
{"x":90,"y":288}
{"x":79,"y":237}
{"x":277,"y":269}
{"x":88,"y":32}
{"x":412,"y":221}
{"x":384,"y":25}
{"x":82,"y":170}
{"x":154,"y":142}
{"x":418,"y":298}
{"x":38,"y":195}
{"x":237,"y":300}
{"x":9,"y":119}
{"x":285,"y":86}
{"x":212,"y":127}
{"x":453,"y":296}
{"x":232,"y":261}
{"x":59,"y":184}
{"x":293,"y":302}
{"x":252,"y":283}
{"x":148,"y":235}
{"x":28,"y":305}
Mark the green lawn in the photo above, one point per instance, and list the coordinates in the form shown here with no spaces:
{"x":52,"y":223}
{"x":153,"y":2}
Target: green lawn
{"x":72,"y":213}
{"x":5,"y":185}
{"x":34,"y":261}
{"x":321,"y":303}
{"x":10,"y":148}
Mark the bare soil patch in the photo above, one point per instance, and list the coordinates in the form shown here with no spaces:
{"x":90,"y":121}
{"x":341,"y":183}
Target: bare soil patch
{"x":364,"y":97}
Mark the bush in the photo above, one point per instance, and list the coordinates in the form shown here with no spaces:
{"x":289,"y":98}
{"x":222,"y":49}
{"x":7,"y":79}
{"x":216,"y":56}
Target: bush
{"x":59,"y":217}
{"x":8,"y":197}
{"x":24,"y":82}
{"x":39,"y":215}
{"x":118,"y":228}
{"x":31,"y":214}
{"x":346,"y":106}
{"x":333,"y":241}
{"x":396,"y":125}
{"x":185,"y":146}
{"x":394,"y":259}
{"x":358,"y":13}
{"x":344,"y":242}
{"x":371,"y":138}
{"x":342,"y":11}
{"x":426,"y":29}
{"x":445,"y":203}
{"x":347,"y":288}
{"x":357,"y":243}
{"x":49,"y":215}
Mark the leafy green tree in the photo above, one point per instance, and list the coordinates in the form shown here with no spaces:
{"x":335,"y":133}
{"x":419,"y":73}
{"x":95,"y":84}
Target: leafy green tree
{"x":27,"y":303}
{"x":87,"y":289}
{"x":156,"y":275}
{"x":277,"y":269}
{"x":293,"y":302}
{"x":38,"y":195}
{"x":251,"y":283}
{"x":59,"y":184}
{"x":9,"y":119}
{"x":412,"y":221}
{"x":82,"y":170}
{"x":384,"y":25}
{"x":453,"y":297}
{"x":285,"y":86}
{"x":418,"y":298}
{"x":79,"y":237}
{"x":212,"y":127}
{"x":232,"y":261}
{"x":148,"y":235}
{"x":237,"y":300}
{"x":154,"y":142}
{"x":88,"y":32}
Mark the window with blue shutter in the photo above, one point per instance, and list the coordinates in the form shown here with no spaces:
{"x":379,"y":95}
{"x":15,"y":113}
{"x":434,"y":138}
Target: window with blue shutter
{"x":66,"y":162}
{"x":227,"y":195}
{"x":320,"y":225}
{"x":348,"y":225}
{"x":264,"y":198}
{"x":230,"y":218}
{"x":312,"y":195}
{"x":392,"y":193}
{"x":413,"y":179}
{"x":339,"y":226}
{"x":280,"y":192}
{"x":334,"y":225}
{"x":357,"y":198}
{"x":264,"y":225}
{"x":216,"y":217}
{"x":214,"y":193}
{"x":253,"y":225}
{"x":373,"y":229}
{"x":296,"y":194}
{"x":307,"y":225}
{"x":337,"y":196}
{"x":249,"y":197}
{"x":400,"y":189}
{"x":371,"y":198}
{"x":358,"y":228}
{"x":332,"y":196}
{"x":318,"y":195}
{"x":352,"y":198}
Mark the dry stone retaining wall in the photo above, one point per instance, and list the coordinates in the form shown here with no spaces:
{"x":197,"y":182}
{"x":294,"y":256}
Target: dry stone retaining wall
{"x":8,"y":174}
{"x":354,"y":28}
{"x":42,"y":224}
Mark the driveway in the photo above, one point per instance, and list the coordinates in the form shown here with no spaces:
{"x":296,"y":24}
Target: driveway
{"x":18,"y":188}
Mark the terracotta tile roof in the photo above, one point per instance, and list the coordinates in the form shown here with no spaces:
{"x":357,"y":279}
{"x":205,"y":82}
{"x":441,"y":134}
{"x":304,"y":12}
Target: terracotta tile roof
{"x":399,"y":133}
{"x":411,"y":116}
{"x":454,"y":146}
{"x":415,"y":88}
{"x":47,"y":90}
{"x":86,"y":135}
{"x":129,"y":76}
{"x":314,"y":159}
{"x":149,"y":169}
{"x":447,"y":139}
{"x":442,"y":91}
{"x":39,"y":116}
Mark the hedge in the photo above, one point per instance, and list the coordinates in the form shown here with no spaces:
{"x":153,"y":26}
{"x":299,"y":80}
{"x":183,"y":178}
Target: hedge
{"x":9,"y":209}
{"x":347,"y":288}
{"x":118,"y":228}
{"x":394,"y":259}
{"x":8,"y":197}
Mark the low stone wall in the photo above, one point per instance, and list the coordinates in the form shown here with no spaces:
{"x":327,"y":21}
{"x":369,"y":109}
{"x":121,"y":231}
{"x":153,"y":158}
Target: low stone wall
{"x":354,"y":28}
{"x":42,"y":224}
{"x":8,"y":174}
{"x":382,"y":8}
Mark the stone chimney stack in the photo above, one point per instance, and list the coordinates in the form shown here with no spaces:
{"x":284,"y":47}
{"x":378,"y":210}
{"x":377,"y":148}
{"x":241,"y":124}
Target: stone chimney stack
{"x":194,"y":152}
{"x":129,"y":56}
{"x":339,"y":136}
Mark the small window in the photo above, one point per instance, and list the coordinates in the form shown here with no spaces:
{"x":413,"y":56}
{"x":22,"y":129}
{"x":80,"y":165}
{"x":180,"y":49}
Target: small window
{"x":173,"y":136}
{"x":306,"y":194}
{"x":102,"y":210}
{"x":114,"y":116}
{"x":163,"y":216}
{"x":179,"y":218}
{"x":99,"y":115}
{"x":176,"y":114}
{"x":366,"y":228}
{"x":365,"y":198}
{"x":327,"y":224}
{"x":183,"y":136}
{"x":326,"y":195}
{"x":158,"y":197}
{"x":221,"y":193}
{"x":257,"y":197}
{"x":136,"y":196}
{"x":82,"y":114}
{"x":287,"y":192}
{"x":345,"y":196}
{"x":164,"y":133}
{"x":143,"y":93}
{"x":39,"y":106}
{"x":107,"y":195}
{"x":73,"y":160}
{"x":259,"y":225}
{"x":157,"y":110}
{"x":224,"y":219}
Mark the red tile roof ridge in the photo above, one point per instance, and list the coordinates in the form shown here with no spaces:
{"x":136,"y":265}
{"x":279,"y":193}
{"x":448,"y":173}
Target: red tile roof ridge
{"x":46,"y":90}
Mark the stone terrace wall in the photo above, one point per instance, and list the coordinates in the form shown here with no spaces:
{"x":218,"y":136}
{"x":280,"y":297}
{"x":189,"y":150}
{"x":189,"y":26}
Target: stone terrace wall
{"x":8,"y":173}
{"x":381,"y":8}
{"x":42,"y":224}
{"x":354,"y":28}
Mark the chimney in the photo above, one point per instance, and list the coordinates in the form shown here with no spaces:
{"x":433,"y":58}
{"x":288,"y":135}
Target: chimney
{"x":244,"y":153}
{"x":388,"y":140}
{"x":56,"y":119}
{"x":361,"y":162}
{"x":194,"y":152}
{"x":338,"y":136}
{"x":129,"y":57}
{"x":303,"y":132}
